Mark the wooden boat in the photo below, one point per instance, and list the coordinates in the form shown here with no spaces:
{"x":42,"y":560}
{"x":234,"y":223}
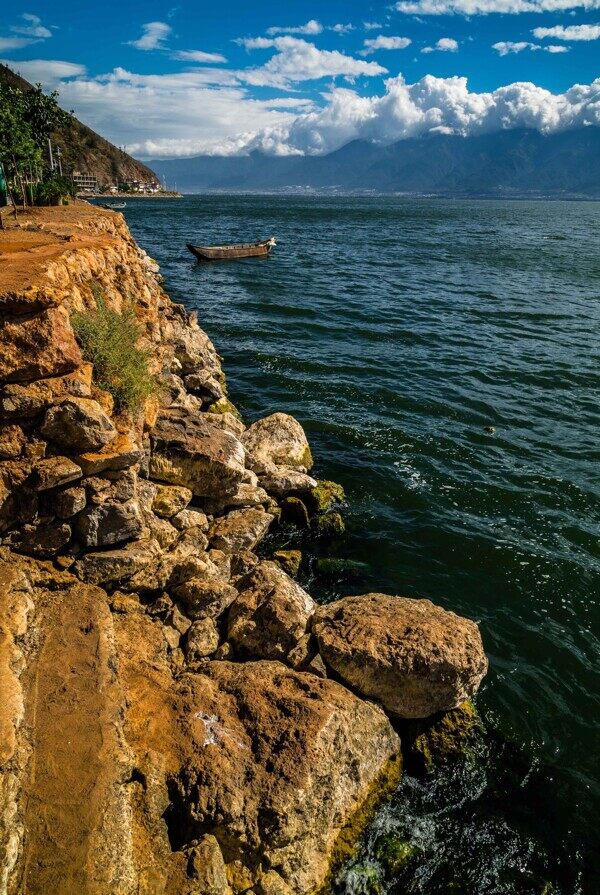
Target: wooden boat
{"x":231,"y":252}
{"x":115,"y":206}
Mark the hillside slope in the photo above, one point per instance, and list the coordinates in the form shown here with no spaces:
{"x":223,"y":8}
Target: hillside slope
{"x":84,"y":150}
{"x":511,"y":162}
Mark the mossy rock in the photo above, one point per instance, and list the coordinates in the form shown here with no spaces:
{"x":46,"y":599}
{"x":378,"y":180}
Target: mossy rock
{"x":222,"y":380}
{"x":365,"y":879}
{"x":328,"y":525}
{"x":306,"y":459}
{"x":394,"y":854}
{"x":324,"y":496}
{"x":224,"y":405}
{"x":334,"y":567}
{"x":294,"y":511}
{"x":443,"y":737}
{"x":289,"y":560}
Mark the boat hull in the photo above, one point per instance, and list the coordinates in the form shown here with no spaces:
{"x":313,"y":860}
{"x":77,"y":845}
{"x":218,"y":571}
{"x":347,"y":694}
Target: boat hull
{"x":232,"y":252}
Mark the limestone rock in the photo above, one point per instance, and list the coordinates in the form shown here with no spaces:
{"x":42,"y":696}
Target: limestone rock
{"x":289,"y":560}
{"x":121,"y":452}
{"x":207,"y":387}
{"x":170,"y":499}
{"x":270,"y":614}
{"x":108,"y":566}
{"x":240,"y":529}
{"x":109,"y":523}
{"x":412,"y":656}
{"x":79,"y":424}
{"x":202,"y":639}
{"x":278,"y":762}
{"x":190,"y":519}
{"x":12,"y":441}
{"x":294,"y":512}
{"x":277,"y":440}
{"x":55,"y":471}
{"x":207,"y":868}
{"x":69,"y":502}
{"x":38,"y":345}
{"x":284,"y":480}
{"x":205,"y":598}
{"x":45,"y":539}
{"x":192,"y":452}
{"x":26,"y":400}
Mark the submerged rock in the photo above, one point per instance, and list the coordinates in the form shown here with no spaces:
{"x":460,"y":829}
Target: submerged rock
{"x":328,"y":525}
{"x":270,"y":614}
{"x":294,"y":512}
{"x":414,"y":657}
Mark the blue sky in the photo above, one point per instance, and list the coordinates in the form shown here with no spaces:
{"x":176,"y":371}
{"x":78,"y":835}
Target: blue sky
{"x":306,"y":77}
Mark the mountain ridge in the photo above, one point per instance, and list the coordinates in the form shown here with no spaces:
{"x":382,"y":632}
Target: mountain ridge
{"x":510,"y":162}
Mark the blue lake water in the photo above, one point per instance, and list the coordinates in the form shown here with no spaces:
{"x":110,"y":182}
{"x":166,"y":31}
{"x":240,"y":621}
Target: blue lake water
{"x":397,"y":330}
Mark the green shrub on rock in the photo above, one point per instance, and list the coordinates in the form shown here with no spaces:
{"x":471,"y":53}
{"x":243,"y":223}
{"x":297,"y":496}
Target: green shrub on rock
{"x":109,"y":341}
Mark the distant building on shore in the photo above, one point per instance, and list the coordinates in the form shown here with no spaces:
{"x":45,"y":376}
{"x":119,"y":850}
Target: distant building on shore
{"x":140,"y":186}
{"x":86,"y":182}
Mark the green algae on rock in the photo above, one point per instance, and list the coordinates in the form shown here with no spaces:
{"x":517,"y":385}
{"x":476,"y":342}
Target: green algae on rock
{"x":324,"y":496}
{"x":394,"y":854}
{"x":442,"y":738}
{"x":224,"y":405}
{"x":289,"y":560}
{"x":328,"y":525}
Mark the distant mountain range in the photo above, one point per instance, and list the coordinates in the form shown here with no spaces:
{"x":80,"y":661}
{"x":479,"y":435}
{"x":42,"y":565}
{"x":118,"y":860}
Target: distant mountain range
{"x":82,"y":149}
{"x":507,"y":163}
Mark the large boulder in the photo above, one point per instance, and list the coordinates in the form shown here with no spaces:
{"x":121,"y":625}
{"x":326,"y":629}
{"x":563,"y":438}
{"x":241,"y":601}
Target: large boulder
{"x":193,"y":452}
{"x":270,"y":614}
{"x":276,"y":440}
{"x":415,"y":658}
{"x":79,"y":424}
{"x":277,"y":763}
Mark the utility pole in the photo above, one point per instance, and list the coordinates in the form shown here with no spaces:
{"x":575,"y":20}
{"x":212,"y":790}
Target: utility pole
{"x":58,"y":156}
{"x":50,"y":154}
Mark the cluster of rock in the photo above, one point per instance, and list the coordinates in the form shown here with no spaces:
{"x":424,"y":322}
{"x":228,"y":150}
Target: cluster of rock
{"x":238,"y":726}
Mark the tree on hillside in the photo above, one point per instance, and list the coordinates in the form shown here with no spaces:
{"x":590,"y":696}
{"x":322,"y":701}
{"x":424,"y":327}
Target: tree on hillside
{"x":27,"y":119}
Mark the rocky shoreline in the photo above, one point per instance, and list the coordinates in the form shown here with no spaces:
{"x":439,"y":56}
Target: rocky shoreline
{"x":179,"y":715}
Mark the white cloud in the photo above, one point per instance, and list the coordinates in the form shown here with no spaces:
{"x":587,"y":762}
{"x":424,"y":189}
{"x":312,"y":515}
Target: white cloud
{"x":15,"y":43}
{"x":431,"y":105}
{"x":553,"y":48}
{"x":153,"y":36}
{"x":342,"y":29}
{"x":29,"y":30}
{"x":297,"y":60}
{"x":372,"y":26}
{"x":49,"y":72}
{"x":504,"y":47}
{"x":444,"y":45}
{"x":255,"y":43}
{"x":570,"y":32}
{"x":484,"y":7}
{"x":31,"y":26}
{"x":198,"y":56}
{"x":311,"y":27}
{"x":385,"y":42}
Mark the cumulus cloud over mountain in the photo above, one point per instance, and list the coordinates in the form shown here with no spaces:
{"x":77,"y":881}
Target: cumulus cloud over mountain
{"x":431,"y":105}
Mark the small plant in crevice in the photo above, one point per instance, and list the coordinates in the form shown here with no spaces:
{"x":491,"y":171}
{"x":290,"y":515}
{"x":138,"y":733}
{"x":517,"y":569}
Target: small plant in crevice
{"x":109,"y":341}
